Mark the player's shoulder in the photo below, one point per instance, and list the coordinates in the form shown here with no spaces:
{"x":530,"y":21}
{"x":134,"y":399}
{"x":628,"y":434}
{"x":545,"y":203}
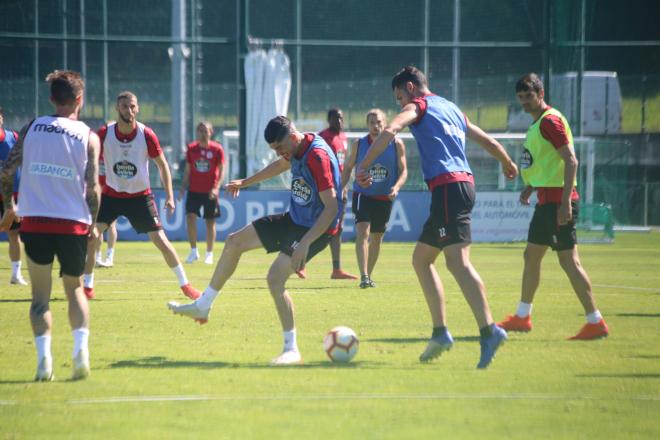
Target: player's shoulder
{"x":215,"y":145}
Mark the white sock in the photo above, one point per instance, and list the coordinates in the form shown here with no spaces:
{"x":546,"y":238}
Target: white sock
{"x":43,"y":347}
{"x":194,"y":251}
{"x":80,"y":340}
{"x":88,"y":280}
{"x":180,"y":275}
{"x":524,"y":310}
{"x":110,"y":253}
{"x":15,"y":268}
{"x":98,"y":255}
{"x":290,"y":343}
{"x":208,"y":296}
{"x":209,"y":254}
{"x":594,"y":317}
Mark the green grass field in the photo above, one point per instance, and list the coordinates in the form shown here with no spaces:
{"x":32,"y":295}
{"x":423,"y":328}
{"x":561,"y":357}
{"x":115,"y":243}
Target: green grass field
{"x":158,"y":376}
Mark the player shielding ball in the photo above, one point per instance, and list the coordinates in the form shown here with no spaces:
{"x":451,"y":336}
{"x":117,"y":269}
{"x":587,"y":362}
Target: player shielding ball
{"x":297,"y":235}
{"x":58,"y":156}
{"x":440,"y":129}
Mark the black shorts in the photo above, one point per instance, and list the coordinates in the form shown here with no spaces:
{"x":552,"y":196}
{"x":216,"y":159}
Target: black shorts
{"x":71,"y":250}
{"x":545,"y":231}
{"x":368,"y":209}
{"x":15,"y":225}
{"x":195,"y":201}
{"x":278,"y":233}
{"x":141,"y":211}
{"x":449,"y":221}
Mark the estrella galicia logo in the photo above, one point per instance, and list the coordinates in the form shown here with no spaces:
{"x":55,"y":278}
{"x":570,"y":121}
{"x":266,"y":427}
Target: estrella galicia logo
{"x":124,"y":169}
{"x":301,"y":192}
{"x":526,"y":160}
{"x":378,"y":173}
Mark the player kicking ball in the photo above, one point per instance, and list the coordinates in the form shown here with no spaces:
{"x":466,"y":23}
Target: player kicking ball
{"x":297,"y":235}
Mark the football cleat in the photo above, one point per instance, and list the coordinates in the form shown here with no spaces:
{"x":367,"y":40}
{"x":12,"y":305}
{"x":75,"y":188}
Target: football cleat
{"x":514,"y":323}
{"x":592,"y":331}
{"x":192,"y":257}
{"x":436,"y":346}
{"x":45,"y":370}
{"x":208,"y":259}
{"x":290,"y":357}
{"x":89,"y":292}
{"x":190,"y":310}
{"x":18,"y":279}
{"x":81,"y":365}
{"x":190,"y":291}
{"x":489,"y":346}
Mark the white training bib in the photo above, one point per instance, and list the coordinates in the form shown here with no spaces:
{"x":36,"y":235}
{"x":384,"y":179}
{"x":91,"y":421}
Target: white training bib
{"x":126,"y":163}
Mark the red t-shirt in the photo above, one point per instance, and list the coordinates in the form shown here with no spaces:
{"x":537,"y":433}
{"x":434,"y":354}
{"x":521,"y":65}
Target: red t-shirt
{"x":204,"y":163}
{"x":320,"y":167}
{"x":338,"y":144}
{"x":553,"y":130}
{"x":153,"y":150}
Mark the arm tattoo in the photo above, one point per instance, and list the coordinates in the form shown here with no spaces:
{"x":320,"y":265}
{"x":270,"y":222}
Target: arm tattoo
{"x":14,"y":160}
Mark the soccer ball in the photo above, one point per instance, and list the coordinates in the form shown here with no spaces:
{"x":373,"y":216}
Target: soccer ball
{"x":341,"y":344}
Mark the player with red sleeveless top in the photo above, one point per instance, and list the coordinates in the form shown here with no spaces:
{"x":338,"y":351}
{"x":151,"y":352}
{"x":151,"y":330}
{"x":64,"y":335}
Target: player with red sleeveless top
{"x":335,"y":137}
{"x":58,"y":155}
{"x":440,"y":129}
{"x":127,"y":146}
{"x":202,"y":176}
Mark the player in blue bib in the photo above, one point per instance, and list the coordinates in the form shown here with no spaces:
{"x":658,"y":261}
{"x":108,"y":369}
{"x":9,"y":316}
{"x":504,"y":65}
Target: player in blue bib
{"x":440,"y":129}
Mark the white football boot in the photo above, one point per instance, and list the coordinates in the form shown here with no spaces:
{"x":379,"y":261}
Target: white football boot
{"x":45,"y":370}
{"x":289,"y":357}
{"x":190,"y":310}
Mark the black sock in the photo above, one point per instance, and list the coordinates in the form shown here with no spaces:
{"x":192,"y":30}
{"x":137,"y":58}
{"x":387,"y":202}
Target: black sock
{"x":437,"y":331}
{"x":486,"y":332}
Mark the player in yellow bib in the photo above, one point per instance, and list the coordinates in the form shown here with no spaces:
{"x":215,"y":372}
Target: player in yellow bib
{"x":549,"y":166}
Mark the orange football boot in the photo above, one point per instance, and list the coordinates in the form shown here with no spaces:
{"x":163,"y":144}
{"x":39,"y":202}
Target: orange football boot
{"x":514,"y":323}
{"x":592,"y":331}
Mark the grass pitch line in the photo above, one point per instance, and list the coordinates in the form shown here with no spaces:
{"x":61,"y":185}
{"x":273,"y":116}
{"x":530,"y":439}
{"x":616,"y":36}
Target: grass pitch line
{"x":440,"y":396}
{"x":614,"y":286}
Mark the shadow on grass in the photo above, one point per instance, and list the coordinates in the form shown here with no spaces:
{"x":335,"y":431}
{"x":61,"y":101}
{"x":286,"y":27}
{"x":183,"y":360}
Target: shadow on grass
{"x":22,"y":300}
{"x":163,"y":362}
{"x":638,"y":315}
{"x":413,"y":340}
{"x":621,"y":375}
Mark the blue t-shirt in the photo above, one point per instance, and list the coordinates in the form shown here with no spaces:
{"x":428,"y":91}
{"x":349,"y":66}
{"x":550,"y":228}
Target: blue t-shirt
{"x":5,"y":147}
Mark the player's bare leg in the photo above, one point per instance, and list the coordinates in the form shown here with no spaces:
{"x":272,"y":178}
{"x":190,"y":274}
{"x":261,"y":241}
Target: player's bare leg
{"x":15,"y":258}
{"x":335,"y":249}
{"x":79,"y":321}
{"x":210,"y":240}
{"x":362,"y":251}
{"x":93,"y":245}
{"x":278,"y":274}
{"x":375,"y":240}
{"x":159,"y":239}
{"x":236,"y":244}
{"x":41,"y":318}
{"x":191,"y":228}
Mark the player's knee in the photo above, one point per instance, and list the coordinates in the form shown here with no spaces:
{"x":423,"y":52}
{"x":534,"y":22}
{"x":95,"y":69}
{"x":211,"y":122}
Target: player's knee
{"x":233,"y":241}
{"x":455,"y":263}
{"x":276,"y":279}
{"x":39,"y":308}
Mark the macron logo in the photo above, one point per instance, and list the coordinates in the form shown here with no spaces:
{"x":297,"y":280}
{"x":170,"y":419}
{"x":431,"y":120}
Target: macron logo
{"x":50,"y":170}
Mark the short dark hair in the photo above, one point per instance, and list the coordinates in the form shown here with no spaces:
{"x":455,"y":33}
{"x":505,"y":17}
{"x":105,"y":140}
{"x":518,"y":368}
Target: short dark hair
{"x":65,"y":86}
{"x":409,"y":73}
{"x":278,"y":128}
{"x":529,"y":81}
{"x":334,"y":112}
{"x":126,"y":95}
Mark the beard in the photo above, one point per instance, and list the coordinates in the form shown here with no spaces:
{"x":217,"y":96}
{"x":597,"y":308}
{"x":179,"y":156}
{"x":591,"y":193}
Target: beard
{"x":127,"y":120}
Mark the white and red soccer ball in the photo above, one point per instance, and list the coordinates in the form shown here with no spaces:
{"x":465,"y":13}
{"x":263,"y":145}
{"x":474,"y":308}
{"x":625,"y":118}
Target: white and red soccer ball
{"x":341,"y":344}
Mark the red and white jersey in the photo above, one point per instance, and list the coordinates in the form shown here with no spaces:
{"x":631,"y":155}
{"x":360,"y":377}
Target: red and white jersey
{"x":53,"y":170}
{"x":126,"y":160}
